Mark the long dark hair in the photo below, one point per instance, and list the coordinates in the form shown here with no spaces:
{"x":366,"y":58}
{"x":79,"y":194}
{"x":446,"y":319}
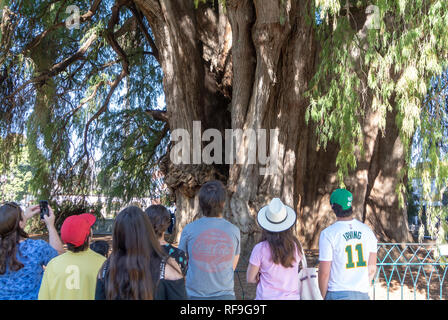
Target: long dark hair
{"x":135,"y":260}
{"x":283,"y":246}
{"x":10,"y":235}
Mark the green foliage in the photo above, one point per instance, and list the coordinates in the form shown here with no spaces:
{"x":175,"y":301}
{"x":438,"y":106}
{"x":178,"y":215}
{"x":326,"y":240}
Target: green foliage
{"x":129,"y":169}
{"x":62,"y":211}
{"x":413,"y":206}
{"x":221,"y":2}
{"x":68,"y":208}
{"x":66,"y":157}
{"x":15,"y":180}
{"x":391,"y":67}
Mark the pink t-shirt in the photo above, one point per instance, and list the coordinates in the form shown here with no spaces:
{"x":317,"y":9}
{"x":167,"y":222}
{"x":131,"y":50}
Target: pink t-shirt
{"x":276,"y":281}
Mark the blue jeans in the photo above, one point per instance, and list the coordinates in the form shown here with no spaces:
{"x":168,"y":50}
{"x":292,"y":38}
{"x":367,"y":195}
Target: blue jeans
{"x":346,"y":295}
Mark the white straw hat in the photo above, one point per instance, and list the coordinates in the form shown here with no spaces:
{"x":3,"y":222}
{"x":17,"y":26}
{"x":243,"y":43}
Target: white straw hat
{"x":276,"y":216}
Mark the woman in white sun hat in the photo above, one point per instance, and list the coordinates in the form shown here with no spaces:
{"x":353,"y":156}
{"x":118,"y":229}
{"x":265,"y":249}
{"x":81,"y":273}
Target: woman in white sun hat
{"x":274,"y":262}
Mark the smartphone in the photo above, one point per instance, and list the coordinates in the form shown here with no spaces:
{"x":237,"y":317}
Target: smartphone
{"x":43,"y":204}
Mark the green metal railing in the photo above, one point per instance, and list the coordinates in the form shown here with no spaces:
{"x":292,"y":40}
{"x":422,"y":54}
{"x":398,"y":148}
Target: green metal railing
{"x":407,"y":271}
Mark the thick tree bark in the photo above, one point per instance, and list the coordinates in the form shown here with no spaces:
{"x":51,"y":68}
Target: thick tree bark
{"x":193,"y":46}
{"x":248,"y":68}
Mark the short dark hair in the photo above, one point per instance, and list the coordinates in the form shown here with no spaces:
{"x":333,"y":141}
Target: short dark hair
{"x":212,"y":197}
{"x":341,"y":213}
{"x":160,"y":218}
{"x":83,"y":247}
{"x":101,"y":247}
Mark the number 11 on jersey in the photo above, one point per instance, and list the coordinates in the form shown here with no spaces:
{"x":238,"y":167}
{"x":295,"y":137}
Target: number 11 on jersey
{"x":361,"y":262}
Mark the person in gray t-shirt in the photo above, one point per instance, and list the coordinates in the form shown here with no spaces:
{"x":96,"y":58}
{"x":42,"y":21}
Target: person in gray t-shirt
{"x":213,"y":247}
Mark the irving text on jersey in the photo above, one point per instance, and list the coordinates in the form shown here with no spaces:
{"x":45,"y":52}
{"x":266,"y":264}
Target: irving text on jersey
{"x":352,"y":235}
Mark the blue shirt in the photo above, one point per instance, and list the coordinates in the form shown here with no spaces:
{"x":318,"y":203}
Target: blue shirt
{"x":24,"y":284}
{"x":211,"y":244}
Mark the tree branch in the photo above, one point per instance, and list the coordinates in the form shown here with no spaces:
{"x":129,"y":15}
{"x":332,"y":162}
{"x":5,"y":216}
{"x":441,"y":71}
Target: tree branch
{"x":139,"y":18}
{"x":158,"y":115}
{"x":110,"y":36}
{"x":59,"y":67}
{"x":159,"y":140}
{"x":96,"y":116}
{"x":128,"y":25}
{"x":103,"y":108}
{"x":55,"y":69}
{"x":85,"y":17}
{"x":83,"y":102}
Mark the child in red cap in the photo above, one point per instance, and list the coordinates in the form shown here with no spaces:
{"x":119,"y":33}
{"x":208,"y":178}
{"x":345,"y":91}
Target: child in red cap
{"x":72,"y":275}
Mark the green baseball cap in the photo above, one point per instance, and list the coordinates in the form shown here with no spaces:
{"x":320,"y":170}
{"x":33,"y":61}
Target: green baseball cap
{"x":342,"y":197}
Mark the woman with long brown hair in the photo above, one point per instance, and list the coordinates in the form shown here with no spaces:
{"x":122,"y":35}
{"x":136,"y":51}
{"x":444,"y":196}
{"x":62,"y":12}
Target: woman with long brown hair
{"x":274,"y":262}
{"x":22,"y":259}
{"x":137,"y":268}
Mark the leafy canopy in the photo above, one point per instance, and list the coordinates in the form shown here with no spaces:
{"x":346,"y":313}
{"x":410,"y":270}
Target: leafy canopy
{"x":80,"y":96}
{"x":391,"y":64}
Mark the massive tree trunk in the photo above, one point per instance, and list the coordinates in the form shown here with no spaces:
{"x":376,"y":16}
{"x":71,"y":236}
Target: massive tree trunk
{"x":248,"y":67}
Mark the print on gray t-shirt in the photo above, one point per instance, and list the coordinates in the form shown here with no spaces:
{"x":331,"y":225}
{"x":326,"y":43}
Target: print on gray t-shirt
{"x":211,"y":245}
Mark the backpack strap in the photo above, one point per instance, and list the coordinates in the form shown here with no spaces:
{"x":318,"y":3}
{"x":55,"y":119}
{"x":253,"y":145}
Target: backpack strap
{"x":303,"y":264}
{"x":105,"y":268}
{"x":162,"y":269}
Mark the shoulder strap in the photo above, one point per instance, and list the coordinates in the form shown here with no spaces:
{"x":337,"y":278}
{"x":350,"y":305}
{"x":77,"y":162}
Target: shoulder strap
{"x":303,"y":262}
{"x":105,"y":268}
{"x":162,"y":269}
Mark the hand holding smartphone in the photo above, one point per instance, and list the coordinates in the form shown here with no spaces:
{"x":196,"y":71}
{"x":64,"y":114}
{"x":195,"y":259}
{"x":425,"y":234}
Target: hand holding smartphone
{"x":43,"y":204}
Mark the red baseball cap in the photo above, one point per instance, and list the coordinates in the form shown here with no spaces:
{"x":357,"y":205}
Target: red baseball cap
{"x":75,"y":229}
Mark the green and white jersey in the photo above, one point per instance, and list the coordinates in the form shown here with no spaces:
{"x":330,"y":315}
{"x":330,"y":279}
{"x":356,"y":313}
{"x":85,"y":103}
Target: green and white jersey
{"x":347,"y":244}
